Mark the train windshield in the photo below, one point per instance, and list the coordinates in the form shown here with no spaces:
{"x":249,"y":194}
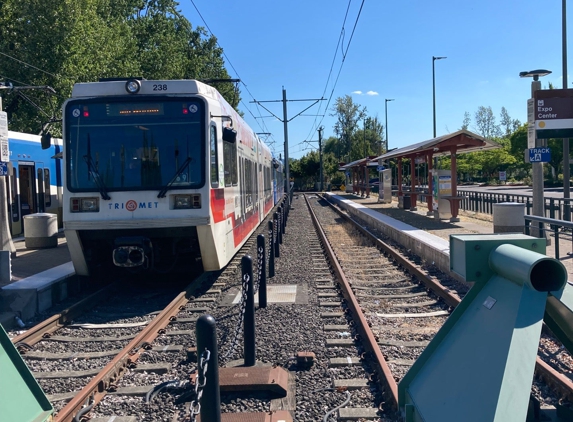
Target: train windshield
{"x":139,"y":144}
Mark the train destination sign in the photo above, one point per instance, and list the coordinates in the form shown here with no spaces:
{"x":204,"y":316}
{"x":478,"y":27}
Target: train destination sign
{"x":553,"y":113}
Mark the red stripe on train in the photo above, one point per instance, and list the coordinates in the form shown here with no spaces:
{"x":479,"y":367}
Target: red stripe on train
{"x":218,"y":204}
{"x":243,"y":230}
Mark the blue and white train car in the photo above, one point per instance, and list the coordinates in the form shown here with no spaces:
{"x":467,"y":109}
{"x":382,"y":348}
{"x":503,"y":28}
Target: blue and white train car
{"x":34,"y":180}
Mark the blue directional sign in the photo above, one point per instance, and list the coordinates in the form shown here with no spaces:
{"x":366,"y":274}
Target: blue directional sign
{"x":539,"y":155}
{"x":3,"y":168}
{"x":380,"y":168}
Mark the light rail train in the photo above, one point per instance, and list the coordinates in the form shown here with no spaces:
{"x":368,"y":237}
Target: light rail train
{"x":33,"y":179}
{"x":161,"y":176}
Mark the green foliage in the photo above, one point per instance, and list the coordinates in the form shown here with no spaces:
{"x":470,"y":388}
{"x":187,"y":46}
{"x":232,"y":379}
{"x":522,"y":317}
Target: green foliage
{"x":70,"y":41}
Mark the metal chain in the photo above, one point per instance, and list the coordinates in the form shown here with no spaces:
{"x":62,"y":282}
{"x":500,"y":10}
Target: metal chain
{"x":239,"y":326}
{"x":270,"y":243}
{"x":260,"y":269}
{"x":200,"y":382}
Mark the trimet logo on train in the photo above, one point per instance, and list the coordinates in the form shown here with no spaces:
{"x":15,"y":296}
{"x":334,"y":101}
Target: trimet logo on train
{"x":132,"y":205}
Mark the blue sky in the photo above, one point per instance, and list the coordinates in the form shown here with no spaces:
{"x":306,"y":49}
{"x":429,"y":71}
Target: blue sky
{"x":275,"y":43}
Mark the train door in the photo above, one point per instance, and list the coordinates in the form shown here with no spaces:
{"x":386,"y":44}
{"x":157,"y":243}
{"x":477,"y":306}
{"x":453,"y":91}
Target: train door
{"x":16,"y":227}
{"x":27,"y":187}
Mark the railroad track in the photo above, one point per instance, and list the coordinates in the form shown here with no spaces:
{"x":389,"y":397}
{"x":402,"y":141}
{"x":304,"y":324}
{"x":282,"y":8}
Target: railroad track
{"x":406,"y":308}
{"x":322,"y":303}
{"x":80,"y":355}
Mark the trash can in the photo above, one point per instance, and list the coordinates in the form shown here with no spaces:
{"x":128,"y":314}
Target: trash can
{"x":508,"y":217}
{"x":41,"y":230}
{"x":405,"y":201}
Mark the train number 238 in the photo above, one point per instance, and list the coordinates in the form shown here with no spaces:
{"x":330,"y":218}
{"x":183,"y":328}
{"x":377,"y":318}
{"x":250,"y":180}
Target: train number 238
{"x":160,"y":87}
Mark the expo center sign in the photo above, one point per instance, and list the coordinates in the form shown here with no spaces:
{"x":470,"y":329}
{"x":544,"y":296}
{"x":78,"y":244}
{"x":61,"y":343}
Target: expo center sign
{"x":553,"y":113}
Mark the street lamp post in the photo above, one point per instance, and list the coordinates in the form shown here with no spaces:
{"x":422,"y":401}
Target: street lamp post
{"x":566,"y":163}
{"x":434,"y":58}
{"x":386,"y":113}
{"x":431,"y":177}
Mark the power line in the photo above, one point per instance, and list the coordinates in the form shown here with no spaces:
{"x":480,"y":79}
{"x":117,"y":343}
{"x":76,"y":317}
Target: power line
{"x":263,"y":126}
{"x":28,"y":64}
{"x":344,"y":53}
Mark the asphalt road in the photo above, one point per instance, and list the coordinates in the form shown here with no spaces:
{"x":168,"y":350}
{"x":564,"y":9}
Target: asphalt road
{"x":517,"y":190}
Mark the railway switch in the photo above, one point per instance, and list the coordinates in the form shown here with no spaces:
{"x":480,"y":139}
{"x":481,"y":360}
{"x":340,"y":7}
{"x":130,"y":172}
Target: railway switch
{"x":480,"y":365}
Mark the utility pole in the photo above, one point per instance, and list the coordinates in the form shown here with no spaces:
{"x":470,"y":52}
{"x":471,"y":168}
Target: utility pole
{"x":566,"y":164}
{"x":320,"y":129}
{"x":6,"y":243}
{"x":285,"y":121}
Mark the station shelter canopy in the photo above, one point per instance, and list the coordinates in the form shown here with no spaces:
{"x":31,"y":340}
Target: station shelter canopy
{"x":462,"y":141}
{"x":357,"y":180}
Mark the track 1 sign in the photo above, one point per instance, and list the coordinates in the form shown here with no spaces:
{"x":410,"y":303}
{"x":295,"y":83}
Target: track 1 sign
{"x":539,"y":155}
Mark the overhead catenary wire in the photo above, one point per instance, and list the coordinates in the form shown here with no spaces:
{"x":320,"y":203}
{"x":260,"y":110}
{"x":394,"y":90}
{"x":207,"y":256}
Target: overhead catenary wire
{"x":344,"y":54}
{"x":27,"y":64}
{"x":263,"y":126}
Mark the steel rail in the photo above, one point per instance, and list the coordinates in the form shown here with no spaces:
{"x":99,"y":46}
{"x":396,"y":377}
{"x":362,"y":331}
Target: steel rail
{"x":97,"y":388}
{"x":367,"y":337}
{"x":547,"y":372}
{"x":432,"y":283}
{"x":57,"y":321}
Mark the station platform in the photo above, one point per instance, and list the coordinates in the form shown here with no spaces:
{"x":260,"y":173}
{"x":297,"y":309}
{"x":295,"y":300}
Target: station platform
{"x":38,"y":280}
{"x":40,"y":277}
{"x":427,"y":236}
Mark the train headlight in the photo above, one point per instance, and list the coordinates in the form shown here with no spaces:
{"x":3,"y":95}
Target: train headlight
{"x":182,"y":202}
{"x":185,"y":202}
{"x":84,"y":204}
{"x":133,"y":86}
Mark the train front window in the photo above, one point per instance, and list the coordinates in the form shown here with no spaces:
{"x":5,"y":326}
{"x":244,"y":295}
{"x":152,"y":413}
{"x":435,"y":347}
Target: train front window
{"x":135,"y":145}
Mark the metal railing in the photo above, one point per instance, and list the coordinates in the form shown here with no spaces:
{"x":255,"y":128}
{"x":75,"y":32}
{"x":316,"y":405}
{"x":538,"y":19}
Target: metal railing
{"x":482,"y":202}
{"x":556,"y":228}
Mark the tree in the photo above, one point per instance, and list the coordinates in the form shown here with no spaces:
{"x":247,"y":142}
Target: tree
{"x":508,"y":124}
{"x":485,"y":123}
{"x":70,"y":41}
{"x":348,"y":115}
{"x":466,"y":122}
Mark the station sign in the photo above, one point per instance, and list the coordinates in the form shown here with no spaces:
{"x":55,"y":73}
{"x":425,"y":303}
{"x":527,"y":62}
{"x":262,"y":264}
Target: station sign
{"x":4,"y":147}
{"x":539,"y":155}
{"x":553,"y":113}
{"x":3,"y":168}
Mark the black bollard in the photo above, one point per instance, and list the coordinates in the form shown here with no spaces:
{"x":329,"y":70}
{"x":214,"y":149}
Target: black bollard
{"x":276,"y":234}
{"x":262,"y":271}
{"x":210,"y":401}
{"x":271,"y":251}
{"x":249,"y":318}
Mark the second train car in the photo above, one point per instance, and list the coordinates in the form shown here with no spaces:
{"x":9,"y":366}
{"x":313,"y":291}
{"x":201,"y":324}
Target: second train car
{"x":161,"y":175}
{"x":33,"y":179}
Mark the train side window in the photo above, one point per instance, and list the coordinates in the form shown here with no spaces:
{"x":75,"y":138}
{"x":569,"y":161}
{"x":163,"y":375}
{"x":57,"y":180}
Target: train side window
{"x":41,"y":196}
{"x":214,"y":159}
{"x":234,"y":171}
{"x":230,"y":165}
{"x":47,"y":187}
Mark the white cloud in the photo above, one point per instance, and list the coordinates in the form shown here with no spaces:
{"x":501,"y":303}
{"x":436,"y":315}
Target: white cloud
{"x":357,"y":92}
{"x":371,"y":93}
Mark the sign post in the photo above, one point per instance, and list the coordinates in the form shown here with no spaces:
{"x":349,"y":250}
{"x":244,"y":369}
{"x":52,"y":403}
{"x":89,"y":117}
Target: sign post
{"x":6,"y":243}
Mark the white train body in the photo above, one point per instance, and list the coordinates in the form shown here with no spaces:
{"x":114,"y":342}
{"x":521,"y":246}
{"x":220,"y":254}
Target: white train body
{"x":149,"y":181}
